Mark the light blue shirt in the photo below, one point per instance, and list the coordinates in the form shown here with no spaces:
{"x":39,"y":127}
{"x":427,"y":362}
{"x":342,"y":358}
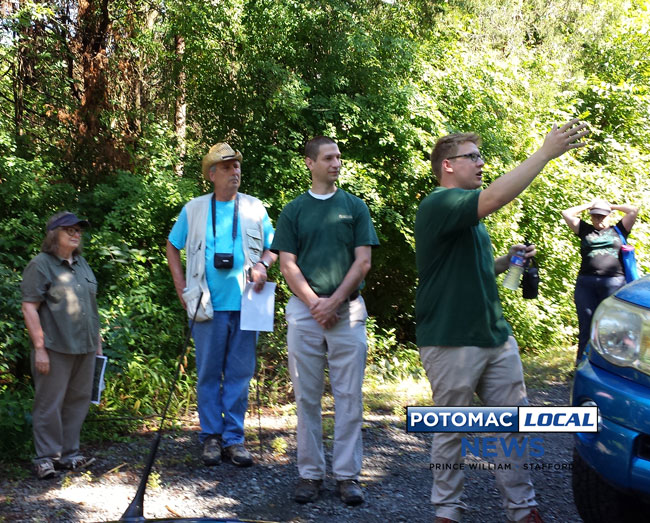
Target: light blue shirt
{"x":226,"y":285}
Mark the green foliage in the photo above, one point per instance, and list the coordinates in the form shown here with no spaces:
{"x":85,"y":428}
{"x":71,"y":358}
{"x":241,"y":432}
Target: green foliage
{"x":13,"y":341}
{"x":15,"y":420}
{"x":272,"y":380}
{"x":15,"y":391}
{"x":136,"y":392}
{"x":154,"y":481}
{"x":388,"y":360}
{"x":279,"y":446}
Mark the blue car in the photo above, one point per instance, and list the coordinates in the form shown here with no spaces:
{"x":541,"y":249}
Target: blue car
{"x":611,"y":468}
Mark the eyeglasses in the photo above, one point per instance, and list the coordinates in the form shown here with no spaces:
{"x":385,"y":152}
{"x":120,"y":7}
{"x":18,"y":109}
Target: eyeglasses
{"x":475,"y":157}
{"x":72,"y":231}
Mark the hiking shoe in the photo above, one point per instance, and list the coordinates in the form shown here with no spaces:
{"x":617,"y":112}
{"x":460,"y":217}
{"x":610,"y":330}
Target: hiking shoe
{"x":212,"y":451}
{"x":45,"y":470}
{"x":238,"y":455}
{"x":307,"y":490}
{"x":350,"y":491}
{"x":532,"y":517}
{"x":74,"y":463}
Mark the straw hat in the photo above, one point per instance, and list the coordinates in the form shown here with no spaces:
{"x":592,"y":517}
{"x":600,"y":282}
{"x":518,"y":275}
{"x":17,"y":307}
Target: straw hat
{"x":220,"y":152}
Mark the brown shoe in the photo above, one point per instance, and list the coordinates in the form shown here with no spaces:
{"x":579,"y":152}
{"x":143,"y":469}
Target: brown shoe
{"x":350,"y":491}
{"x":444,"y":520}
{"x":45,"y":470}
{"x":307,"y":490}
{"x":212,"y":450}
{"x":238,"y":455}
{"x":532,"y":517}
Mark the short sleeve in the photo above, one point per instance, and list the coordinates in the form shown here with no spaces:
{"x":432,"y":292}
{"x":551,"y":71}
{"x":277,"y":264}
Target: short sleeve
{"x":584,"y":228}
{"x":455,"y":210}
{"x":35,"y":284}
{"x":364,"y":230}
{"x":621,"y":228}
{"x":178,"y":235}
{"x":285,"y":235}
{"x":268,"y":230}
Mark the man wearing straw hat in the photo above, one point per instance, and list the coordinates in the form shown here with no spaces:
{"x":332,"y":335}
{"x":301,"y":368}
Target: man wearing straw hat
{"x":226,"y":236}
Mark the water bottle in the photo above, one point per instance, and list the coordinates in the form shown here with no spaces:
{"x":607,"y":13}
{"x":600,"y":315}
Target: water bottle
{"x":512,"y":279}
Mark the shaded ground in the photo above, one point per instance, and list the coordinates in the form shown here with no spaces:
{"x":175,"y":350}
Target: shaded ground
{"x":396,"y":480}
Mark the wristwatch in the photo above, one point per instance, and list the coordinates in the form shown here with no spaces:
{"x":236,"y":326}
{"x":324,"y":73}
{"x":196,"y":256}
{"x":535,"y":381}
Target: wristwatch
{"x":266,"y":265}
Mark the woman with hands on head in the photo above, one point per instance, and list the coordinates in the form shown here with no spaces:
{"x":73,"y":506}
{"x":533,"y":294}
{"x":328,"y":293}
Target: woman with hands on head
{"x":601,"y":271}
{"x":60,"y":310}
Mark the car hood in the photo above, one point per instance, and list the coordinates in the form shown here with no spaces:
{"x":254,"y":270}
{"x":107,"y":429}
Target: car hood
{"x":637,"y":292}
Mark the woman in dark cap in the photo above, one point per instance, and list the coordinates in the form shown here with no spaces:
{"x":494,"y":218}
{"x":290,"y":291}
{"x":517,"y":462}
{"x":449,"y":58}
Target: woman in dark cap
{"x":601,"y":271}
{"x":60,"y":309}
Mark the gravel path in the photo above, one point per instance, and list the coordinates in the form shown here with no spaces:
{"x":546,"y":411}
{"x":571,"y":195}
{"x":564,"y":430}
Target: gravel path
{"x":396,"y":480}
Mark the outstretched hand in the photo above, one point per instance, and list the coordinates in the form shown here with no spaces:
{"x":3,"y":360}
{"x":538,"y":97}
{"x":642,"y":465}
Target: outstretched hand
{"x":560,"y":140}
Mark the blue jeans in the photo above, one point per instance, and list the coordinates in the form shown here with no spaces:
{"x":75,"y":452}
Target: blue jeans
{"x":590,"y":291}
{"x":225,"y":363}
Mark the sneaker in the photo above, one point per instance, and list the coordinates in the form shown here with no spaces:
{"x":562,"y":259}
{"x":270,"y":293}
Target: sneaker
{"x":238,"y":455}
{"x":350,"y":491}
{"x":74,"y":463}
{"x":532,"y":517}
{"x":212,"y":451}
{"x":45,"y":470}
{"x":307,"y":490}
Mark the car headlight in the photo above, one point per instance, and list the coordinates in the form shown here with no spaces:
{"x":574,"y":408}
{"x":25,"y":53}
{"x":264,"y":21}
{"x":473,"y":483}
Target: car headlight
{"x":620,"y":332}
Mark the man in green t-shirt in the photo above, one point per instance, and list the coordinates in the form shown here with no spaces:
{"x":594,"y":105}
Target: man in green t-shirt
{"x":464,"y":341}
{"x":324,"y":238}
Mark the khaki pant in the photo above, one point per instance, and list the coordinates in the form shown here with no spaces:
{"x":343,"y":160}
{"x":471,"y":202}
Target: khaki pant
{"x":497,"y":377}
{"x":61,"y":401}
{"x":344,"y":349}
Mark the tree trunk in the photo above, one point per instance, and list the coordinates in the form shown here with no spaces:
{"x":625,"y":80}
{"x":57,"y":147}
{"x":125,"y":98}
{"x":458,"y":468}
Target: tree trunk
{"x":18,"y":92}
{"x":180,"y":117}
{"x":96,"y":145}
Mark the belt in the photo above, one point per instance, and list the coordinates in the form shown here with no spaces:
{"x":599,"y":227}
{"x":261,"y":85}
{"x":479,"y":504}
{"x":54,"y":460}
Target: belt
{"x":352,"y":296}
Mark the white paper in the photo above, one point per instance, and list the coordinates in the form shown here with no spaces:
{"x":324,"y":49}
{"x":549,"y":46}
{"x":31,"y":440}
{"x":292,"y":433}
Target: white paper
{"x":257,"y":308}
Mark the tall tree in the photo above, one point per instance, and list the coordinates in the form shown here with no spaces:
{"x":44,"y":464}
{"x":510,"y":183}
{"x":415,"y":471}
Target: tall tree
{"x":180,"y":114}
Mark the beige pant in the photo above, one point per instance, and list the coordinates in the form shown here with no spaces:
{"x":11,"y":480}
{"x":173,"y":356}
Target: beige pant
{"x":61,"y":401}
{"x":344,"y":349}
{"x":497,"y":377}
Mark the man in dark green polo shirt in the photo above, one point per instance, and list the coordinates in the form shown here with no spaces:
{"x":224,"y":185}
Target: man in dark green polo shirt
{"x":464,"y":341}
{"x":324,"y":238}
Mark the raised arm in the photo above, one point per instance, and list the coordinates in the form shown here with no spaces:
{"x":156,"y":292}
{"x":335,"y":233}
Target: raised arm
{"x":507,"y":187}
{"x":572,"y":216}
{"x":630,"y":215}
